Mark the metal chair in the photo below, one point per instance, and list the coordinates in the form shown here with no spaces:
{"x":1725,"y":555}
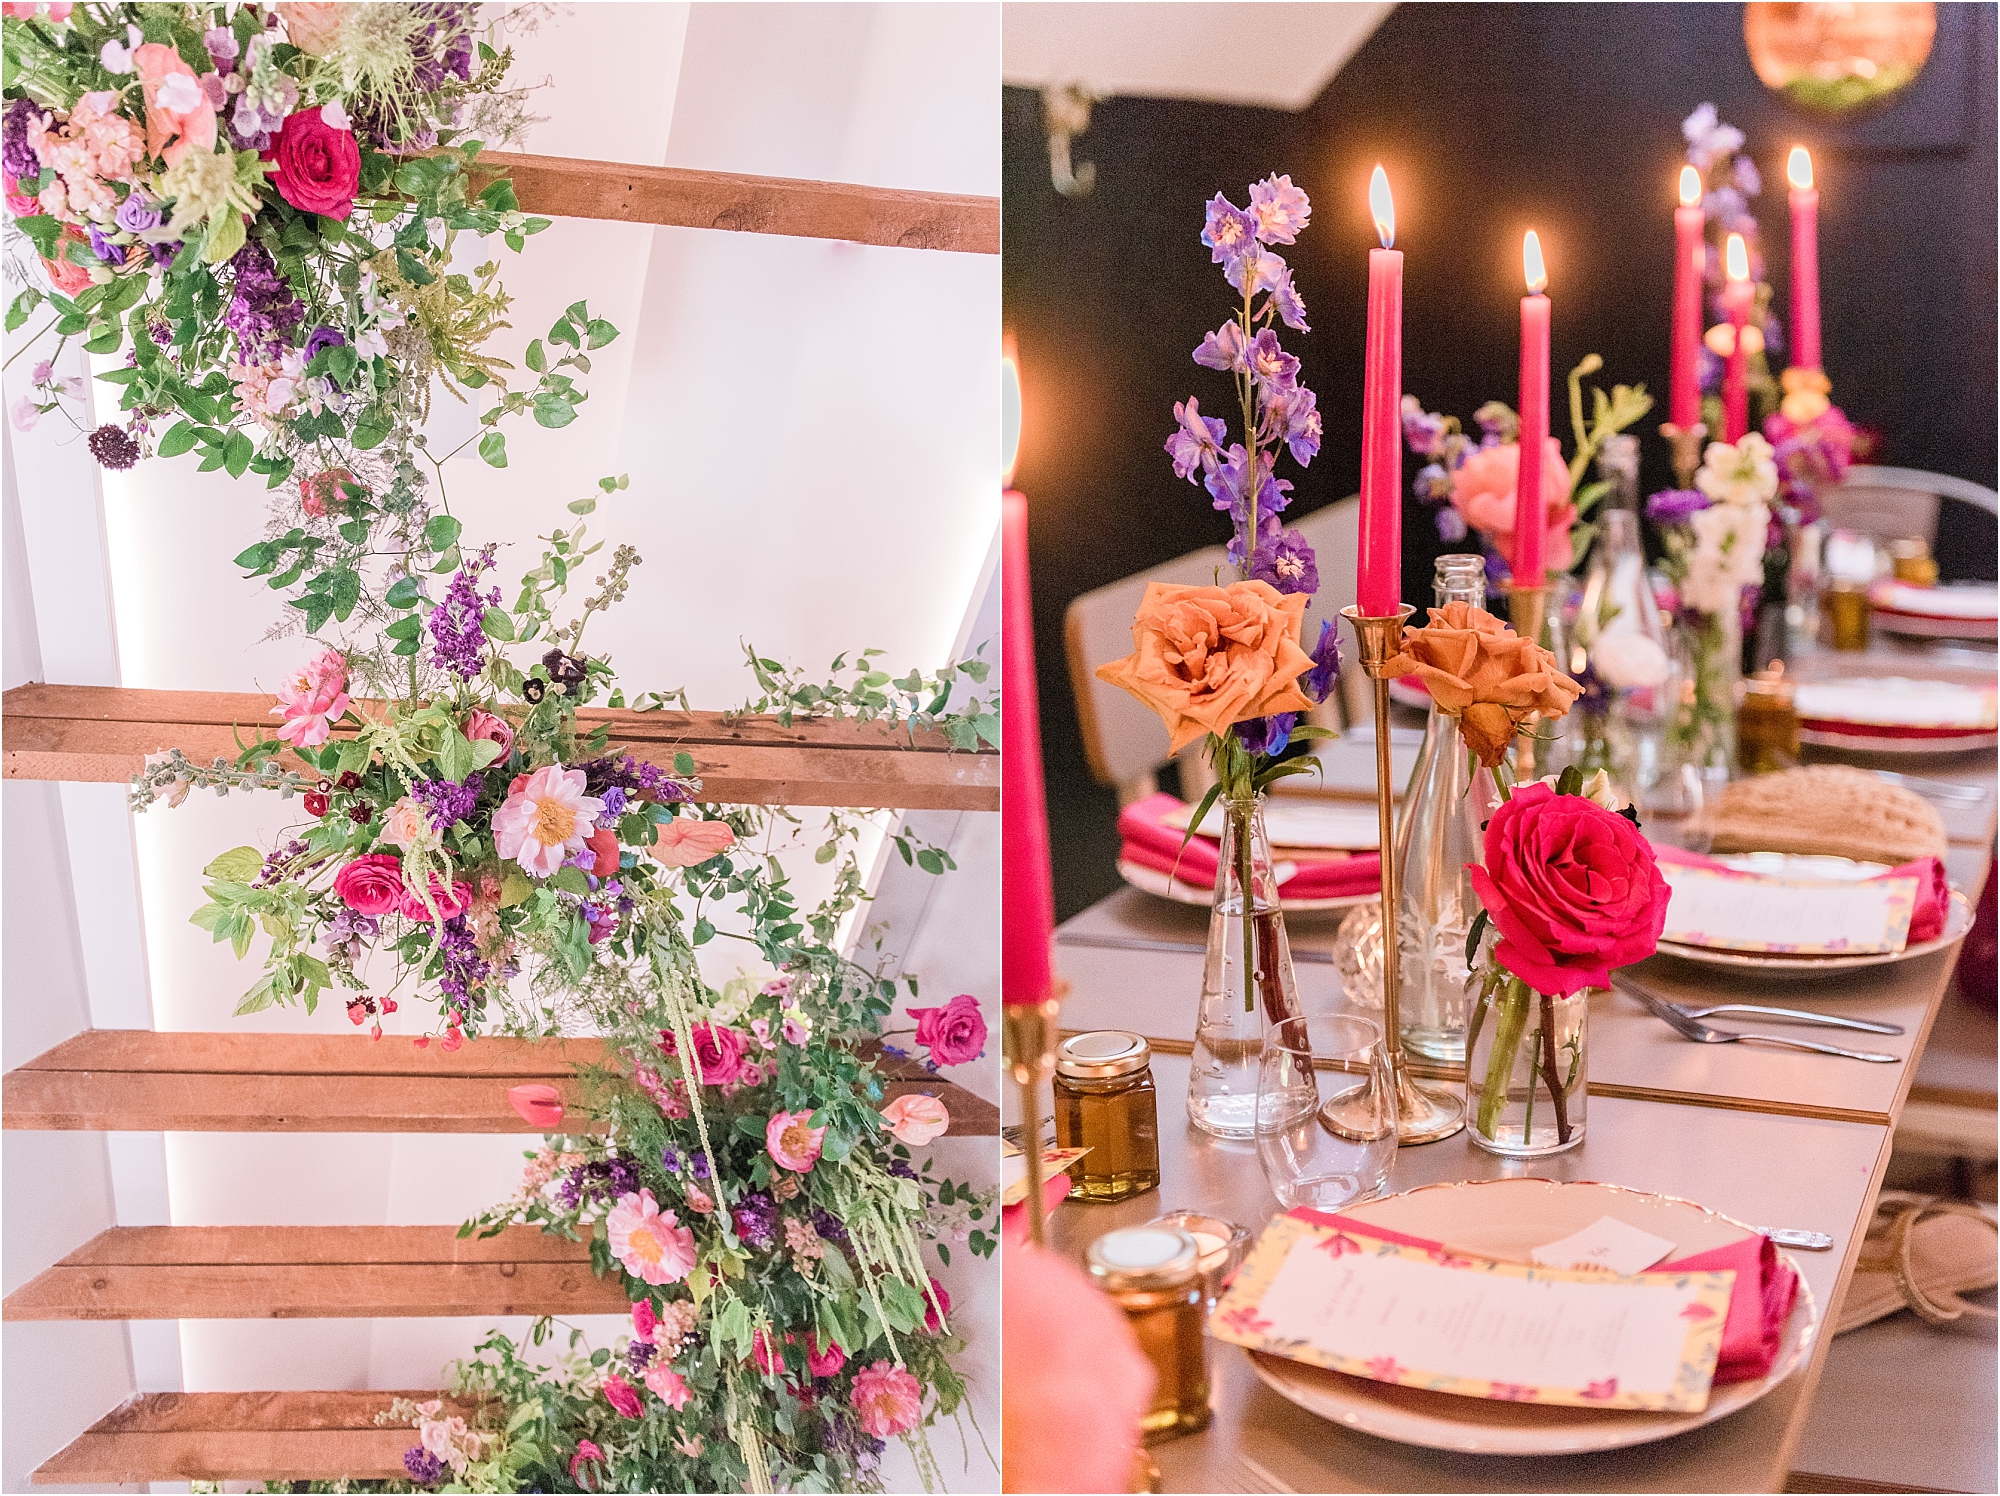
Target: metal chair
{"x":1125,"y":743}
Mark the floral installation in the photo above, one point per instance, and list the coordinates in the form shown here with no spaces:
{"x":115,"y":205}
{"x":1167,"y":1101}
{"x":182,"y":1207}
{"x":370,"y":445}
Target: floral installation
{"x":1714,"y":538}
{"x":1473,"y":483}
{"x":1569,"y":892}
{"x":258,"y":205}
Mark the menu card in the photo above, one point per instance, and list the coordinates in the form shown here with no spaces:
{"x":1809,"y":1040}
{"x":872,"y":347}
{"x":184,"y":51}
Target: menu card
{"x":1736,"y":911}
{"x":1475,"y":1327}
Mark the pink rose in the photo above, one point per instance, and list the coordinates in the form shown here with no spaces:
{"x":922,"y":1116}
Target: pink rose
{"x":313,"y":26}
{"x":408,"y":824}
{"x":66,"y":276}
{"x":718,"y":1052}
{"x":450,"y":903}
{"x":766,"y":1356}
{"x":184,"y":116}
{"x":313,"y":700}
{"x":889,"y":1400}
{"x":325,"y":493}
{"x":916,"y":1119}
{"x":650,"y":1243}
{"x":489,"y":727}
{"x":793,"y":1141}
{"x":824,"y":1360}
{"x":541,"y":1106}
{"x":584,"y":1451}
{"x":953,"y":1033}
{"x":319,"y":167}
{"x":371,"y":885}
{"x":1483,"y":492}
{"x":623,"y":1397}
{"x":643,"y":1320}
{"x":668,"y":1385}
{"x":1571,"y":887}
{"x":684,"y":841}
{"x":937,"y":1304}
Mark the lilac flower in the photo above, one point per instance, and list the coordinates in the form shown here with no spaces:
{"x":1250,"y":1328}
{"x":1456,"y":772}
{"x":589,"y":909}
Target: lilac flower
{"x":1229,"y":233}
{"x":322,"y":339}
{"x":1451,"y":525}
{"x":103,"y":248}
{"x":17,"y":157}
{"x":262,"y":311}
{"x":450,"y":802}
{"x":1223,"y":349}
{"x":460,"y":647}
{"x":425,"y":1468}
{"x":138,"y":213}
{"x":1326,"y":662}
{"x":1279,"y":208}
{"x":1288,"y":564}
{"x":1422,"y":431}
{"x":757,"y":1220}
{"x":1196,"y":441}
{"x":1276,"y":371}
{"x":1675,"y":506}
{"x":1296,"y":421}
{"x":1267,"y":736}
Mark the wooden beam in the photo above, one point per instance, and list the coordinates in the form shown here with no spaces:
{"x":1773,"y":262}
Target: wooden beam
{"x":680,"y":198}
{"x":102,"y":734}
{"x":135,"y":1080}
{"x":315,"y":1272}
{"x":173,"y":1436}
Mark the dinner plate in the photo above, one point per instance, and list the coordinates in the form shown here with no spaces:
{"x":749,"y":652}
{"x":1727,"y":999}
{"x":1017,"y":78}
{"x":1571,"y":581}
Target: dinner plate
{"x":1966,"y":612}
{"x":1157,"y":883}
{"x":1897,"y":715}
{"x":1310,"y":825}
{"x":1508,"y":1218}
{"x":1956,"y":923}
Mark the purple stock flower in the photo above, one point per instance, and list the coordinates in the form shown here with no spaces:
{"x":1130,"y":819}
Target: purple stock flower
{"x":1223,"y":349}
{"x":1279,"y":208}
{"x":322,"y":339}
{"x":104,"y":249}
{"x":757,"y":1220}
{"x":1276,"y":371}
{"x":263,"y":311}
{"x":1326,"y":662}
{"x":1229,"y":233}
{"x":454,"y":623}
{"x":1287,"y":563}
{"x":464,"y":971}
{"x":634,"y":778}
{"x":138,"y":213}
{"x":1196,"y":442}
{"x":17,"y":157}
{"x":425,"y":1468}
{"x":449,"y":801}
{"x":1675,"y":506}
{"x":1267,"y":736}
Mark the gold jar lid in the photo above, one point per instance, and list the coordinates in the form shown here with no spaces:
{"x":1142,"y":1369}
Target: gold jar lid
{"x":1142,"y":1258}
{"x":1102,"y":1053}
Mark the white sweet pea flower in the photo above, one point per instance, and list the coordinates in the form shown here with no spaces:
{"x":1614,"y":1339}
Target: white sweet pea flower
{"x":335,"y":115}
{"x":117,"y":56}
{"x":180,"y":94}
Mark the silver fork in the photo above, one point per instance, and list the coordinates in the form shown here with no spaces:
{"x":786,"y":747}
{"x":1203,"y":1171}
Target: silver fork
{"x":1935,"y":789}
{"x":1794,"y":1015}
{"x":1701,"y":1033}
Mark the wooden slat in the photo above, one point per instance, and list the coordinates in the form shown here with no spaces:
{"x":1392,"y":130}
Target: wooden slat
{"x":240,"y":1436}
{"x":755,"y":205}
{"x":134,"y":1080}
{"x":96,"y":735}
{"x":315,"y":1272}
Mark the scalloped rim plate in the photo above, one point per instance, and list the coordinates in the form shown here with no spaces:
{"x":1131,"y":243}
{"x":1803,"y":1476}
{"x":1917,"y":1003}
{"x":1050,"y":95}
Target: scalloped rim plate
{"x":1955,"y":926}
{"x":1507,"y":1218}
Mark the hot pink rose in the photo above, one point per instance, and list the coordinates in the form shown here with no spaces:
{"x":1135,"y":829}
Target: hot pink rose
{"x":584,"y":1451}
{"x":1571,"y":887}
{"x":541,"y":1106}
{"x":935,"y":1301}
{"x":916,"y":1119}
{"x":313,"y":700}
{"x":718,"y":1052}
{"x":889,"y":1400}
{"x":319,"y":167}
{"x":953,"y":1033}
{"x":489,"y":727}
{"x":793,"y":1141}
{"x":766,"y":1355}
{"x":668,"y":1385}
{"x":450,"y":903}
{"x":371,"y":885}
{"x":623,"y":1397}
{"x":1483,"y":492}
{"x":644,"y":1322}
{"x":824,"y":1360}
{"x":684,"y":841}
{"x":176,"y":111}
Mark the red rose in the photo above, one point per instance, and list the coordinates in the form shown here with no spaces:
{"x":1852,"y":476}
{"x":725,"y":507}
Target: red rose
{"x":1572,"y":889}
{"x":824,"y":1360}
{"x":617,"y":1391}
{"x":372,"y":884}
{"x":604,"y":843}
{"x":953,"y":1033}
{"x":318,"y":166}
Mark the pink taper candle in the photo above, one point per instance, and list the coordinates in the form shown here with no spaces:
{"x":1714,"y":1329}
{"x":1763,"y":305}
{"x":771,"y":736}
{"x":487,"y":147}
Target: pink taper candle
{"x":1028,"y":906}
{"x":1531,"y":521}
{"x":1736,"y":294}
{"x":1379,"y":582}
{"x":1690,"y":252}
{"x":1805,"y":261}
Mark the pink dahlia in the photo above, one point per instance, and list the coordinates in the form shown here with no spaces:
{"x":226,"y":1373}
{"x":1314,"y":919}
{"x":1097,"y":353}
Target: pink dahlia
{"x":313,"y":700}
{"x":889,"y":1400}
{"x":793,"y":1141}
{"x":649,"y":1242}
{"x":546,"y":818}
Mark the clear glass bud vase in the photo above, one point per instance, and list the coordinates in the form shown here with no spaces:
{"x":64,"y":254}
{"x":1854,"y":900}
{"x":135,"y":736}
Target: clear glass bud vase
{"x":1246,"y":982}
{"x":1526,"y":1077}
{"x":1438,"y":835}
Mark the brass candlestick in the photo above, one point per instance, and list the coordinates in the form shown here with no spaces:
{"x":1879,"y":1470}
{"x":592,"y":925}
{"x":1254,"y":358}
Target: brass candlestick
{"x":1030,"y":1038}
{"x":1687,"y":449}
{"x":1422,"y":1116}
{"x":1527,"y":608}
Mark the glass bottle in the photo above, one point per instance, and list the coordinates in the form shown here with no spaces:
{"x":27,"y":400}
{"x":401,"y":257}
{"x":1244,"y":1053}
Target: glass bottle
{"x":1246,"y":980}
{"x":1622,"y":660}
{"x":1155,"y":1277}
{"x":1105,"y":1103}
{"x":1438,"y":835}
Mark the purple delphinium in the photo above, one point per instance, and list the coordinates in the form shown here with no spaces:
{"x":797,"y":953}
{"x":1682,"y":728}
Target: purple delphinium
{"x":1280,"y":210}
{"x":1287,"y":563}
{"x":757,"y":1220}
{"x":454,"y":623}
{"x":1451,"y":526}
{"x":322,"y":339}
{"x":464,"y":971}
{"x":1326,"y":662}
{"x":1296,"y":422}
{"x":1228,"y":231}
{"x":1229,"y":485}
{"x":450,"y":802}
{"x":1224,"y":349}
{"x":1423,"y":430}
{"x":1675,"y":506}
{"x":262,"y":310}
{"x":1432,"y":484}
{"x":1276,"y":371}
{"x":17,"y":157}
{"x":425,"y":1468}
{"x":1196,"y":444}
{"x":1267,"y":736}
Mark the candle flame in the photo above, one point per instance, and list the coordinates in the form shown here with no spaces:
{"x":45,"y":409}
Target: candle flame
{"x":1010,"y":415}
{"x":1383,"y":207}
{"x":1690,"y":186}
{"x":1737,"y":259}
{"x":1798,"y":170}
{"x":1531,"y":258}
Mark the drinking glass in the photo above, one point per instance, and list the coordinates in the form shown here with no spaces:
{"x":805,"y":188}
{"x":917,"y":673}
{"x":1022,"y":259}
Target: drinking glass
{"x":1326,"y":1111}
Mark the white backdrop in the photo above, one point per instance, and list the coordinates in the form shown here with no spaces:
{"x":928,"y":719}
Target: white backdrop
{"x":811,"y":434}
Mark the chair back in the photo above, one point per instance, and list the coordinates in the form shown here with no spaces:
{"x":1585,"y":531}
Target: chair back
{"x":1897,"y":503}
{"x":1126,"y":742}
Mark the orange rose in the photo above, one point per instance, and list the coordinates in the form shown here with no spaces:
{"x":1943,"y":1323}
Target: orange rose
{"x":1479,"y":670}
{"x":1206,"y":658}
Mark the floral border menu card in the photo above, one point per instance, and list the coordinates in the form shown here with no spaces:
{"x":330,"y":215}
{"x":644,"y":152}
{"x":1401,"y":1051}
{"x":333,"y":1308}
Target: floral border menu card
{"x":1730,"y":910}
{"x":1476,"y":1327}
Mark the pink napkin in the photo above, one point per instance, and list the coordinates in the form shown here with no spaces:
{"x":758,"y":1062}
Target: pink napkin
{"x":1151,"y":843}
{"x":1927,"y":917}
{"x":1759,"y":1304}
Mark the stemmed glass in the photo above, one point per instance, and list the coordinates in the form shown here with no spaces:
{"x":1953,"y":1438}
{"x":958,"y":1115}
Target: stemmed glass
{"x":1326,"y":1111}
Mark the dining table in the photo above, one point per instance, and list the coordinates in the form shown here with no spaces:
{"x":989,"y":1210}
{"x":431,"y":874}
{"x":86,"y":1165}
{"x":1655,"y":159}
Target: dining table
{"x":1768,"y":1137}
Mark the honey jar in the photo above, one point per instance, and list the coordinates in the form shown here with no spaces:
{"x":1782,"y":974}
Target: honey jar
{"x":1155,"y":1277}
{"x":1767,"y":723}
{"x":1105,"y":1102}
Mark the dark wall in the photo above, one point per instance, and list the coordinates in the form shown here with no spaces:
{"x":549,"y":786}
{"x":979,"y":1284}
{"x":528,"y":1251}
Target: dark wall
{"x":1490,"y":119}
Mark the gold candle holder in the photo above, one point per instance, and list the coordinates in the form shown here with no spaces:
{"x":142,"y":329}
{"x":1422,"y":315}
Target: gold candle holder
{"x":1422,"y":1115}
{"x":1029,"y":1031}
{"x":1527,"y":609}
{"x":1687,"y":449}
